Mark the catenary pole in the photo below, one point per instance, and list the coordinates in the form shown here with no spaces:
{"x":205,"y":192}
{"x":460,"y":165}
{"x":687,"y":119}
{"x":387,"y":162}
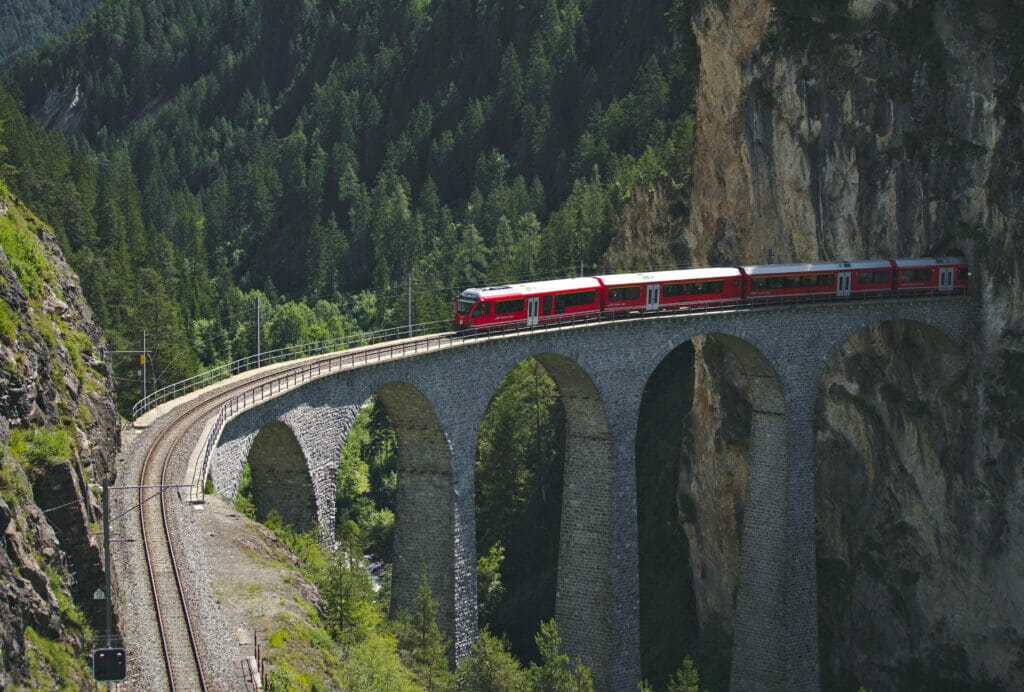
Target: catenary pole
{"x":106,"y":554}
{"x":258,"y":330}
{"x":143,"y":359}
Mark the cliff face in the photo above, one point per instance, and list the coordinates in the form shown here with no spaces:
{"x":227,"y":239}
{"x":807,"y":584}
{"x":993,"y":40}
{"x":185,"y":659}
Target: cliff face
{"x":58,"y":431}
{"x":875,"y":129}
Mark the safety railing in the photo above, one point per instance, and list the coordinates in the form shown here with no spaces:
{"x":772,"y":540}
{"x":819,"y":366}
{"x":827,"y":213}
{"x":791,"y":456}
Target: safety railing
{"x":279,"y":355}
{"x":364,"y":356}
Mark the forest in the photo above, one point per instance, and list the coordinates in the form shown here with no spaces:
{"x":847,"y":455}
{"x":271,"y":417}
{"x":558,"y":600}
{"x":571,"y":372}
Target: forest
{"x":225,"y":152}
{"x":26,"y":23}
{"x":322,"y":159}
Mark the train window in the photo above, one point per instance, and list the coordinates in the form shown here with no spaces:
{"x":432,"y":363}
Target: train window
{"x":916,"y":275}
{"x":961,"y":274}
{"x":624,"y":293}
{"x":579,"y":298}
{"x":504,"y":307}
{"x":546,"y":304}
{"x":482,"y":309}
{"x":464,"y":307}
{"x":875,"y":277}
{"x":693,"y":288}
{"x":758,"y":284}
{"x":826,"y":279}
{"x":564,"y":300}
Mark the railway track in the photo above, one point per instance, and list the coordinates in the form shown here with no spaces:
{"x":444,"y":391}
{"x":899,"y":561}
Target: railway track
{"x":164,"y":465}
{"x":181,"y":655}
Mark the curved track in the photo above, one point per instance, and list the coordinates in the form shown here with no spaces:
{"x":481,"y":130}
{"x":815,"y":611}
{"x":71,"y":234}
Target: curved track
{"x":182,"y":659}
{"x":163,"y":465}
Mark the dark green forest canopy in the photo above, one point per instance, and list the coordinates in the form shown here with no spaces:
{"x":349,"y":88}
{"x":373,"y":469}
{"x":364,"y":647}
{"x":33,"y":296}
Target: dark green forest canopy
{"x":314,"y":150}
{"x":25,"y":23}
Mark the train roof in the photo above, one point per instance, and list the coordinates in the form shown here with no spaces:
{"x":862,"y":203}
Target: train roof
{"x":574,"y":284}
{"x":808,"y":267}
{"x":673,"y":275}
{"x":927,"y":261}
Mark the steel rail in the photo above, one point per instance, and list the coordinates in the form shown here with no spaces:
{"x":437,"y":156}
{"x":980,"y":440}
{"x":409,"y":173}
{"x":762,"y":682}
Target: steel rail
{"x":157,"y":554}
{"x":155,"y":470}
{"x":292,"y":376}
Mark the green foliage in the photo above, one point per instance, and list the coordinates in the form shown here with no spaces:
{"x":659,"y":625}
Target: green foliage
{"x":309,"y":151}
{"x":520,"y":457}
{"x":555,"y":673}
{"x":25,"y":255}
{"x":243,"y":496}
{"x":685,"y":679}
{"x":346,"y":587}
{"x":372,"y":663}
{"x":53,"y":665}
{"x":24,"y":23}
{"x":301,"y":655}
{"x":489,"y":588}
{"x":423,"y":647}
{"x":492,"y":666}
{"x":9,"y":321}
{"x":367,"y":477}
{"x":42,"y":446}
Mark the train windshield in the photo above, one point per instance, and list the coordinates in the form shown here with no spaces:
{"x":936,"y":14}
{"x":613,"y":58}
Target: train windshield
{"x":464,"y":306}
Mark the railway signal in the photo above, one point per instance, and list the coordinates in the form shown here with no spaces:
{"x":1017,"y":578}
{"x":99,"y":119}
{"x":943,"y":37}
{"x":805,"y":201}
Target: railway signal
{"x":109,"y":665}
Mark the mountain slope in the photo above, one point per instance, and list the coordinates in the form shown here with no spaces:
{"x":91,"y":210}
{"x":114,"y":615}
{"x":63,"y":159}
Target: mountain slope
{"x":315,"y":150}
{"x":24,"y":23}
{"x":58,"y":432}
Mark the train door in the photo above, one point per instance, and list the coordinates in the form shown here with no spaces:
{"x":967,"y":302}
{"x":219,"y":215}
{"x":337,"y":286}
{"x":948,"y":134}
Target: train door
{"x":946,"y":278}
{"x":843,"y":283}
{"x":653,"y":296}
{"x":532,"y":310}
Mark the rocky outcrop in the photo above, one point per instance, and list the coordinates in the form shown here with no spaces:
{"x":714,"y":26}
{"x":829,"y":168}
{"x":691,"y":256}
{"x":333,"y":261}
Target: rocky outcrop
{"x":59,"y":431}
{"x":652,"y":228}
{"x":875,"y":129}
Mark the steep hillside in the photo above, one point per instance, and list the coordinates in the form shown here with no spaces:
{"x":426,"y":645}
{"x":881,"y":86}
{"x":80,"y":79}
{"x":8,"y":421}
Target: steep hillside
{"x":316,"y":150}
{"x":58,"y":433}
{"x":876,"y":128}
{"x":24,"y":23}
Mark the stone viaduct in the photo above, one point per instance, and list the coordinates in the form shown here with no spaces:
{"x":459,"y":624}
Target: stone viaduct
{"x":436,"y":401}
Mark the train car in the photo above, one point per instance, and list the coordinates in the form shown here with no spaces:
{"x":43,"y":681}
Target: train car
{"x":527,"y":304}
{"x":930,"y":274}
{"x":824,"y":279}
{"x":670,"y":289}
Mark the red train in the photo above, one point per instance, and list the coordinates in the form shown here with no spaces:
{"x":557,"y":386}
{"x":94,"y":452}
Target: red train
{"x":552,"y":301}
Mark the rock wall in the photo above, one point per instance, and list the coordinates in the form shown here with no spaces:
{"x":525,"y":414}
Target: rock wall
{"x":59,"y":431}
{"x":875,"y":129}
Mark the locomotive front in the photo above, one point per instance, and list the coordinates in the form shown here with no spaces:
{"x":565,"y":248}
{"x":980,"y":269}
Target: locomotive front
{"x":464,"y":308}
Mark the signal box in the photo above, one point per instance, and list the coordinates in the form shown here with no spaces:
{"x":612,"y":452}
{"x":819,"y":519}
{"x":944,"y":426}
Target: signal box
{"x":109,"y":665}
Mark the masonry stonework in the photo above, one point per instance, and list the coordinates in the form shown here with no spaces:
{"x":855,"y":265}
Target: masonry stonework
{"x":436,"y":401}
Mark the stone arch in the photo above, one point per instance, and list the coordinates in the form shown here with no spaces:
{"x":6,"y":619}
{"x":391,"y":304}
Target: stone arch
{"x":893,"y":476}
{"x":424,"y":502}
{"x":945,"y":341}
{"x":280,"y":477}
